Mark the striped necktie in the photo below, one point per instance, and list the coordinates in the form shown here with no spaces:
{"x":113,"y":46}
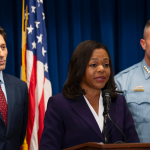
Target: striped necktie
{"x":3,"y":105}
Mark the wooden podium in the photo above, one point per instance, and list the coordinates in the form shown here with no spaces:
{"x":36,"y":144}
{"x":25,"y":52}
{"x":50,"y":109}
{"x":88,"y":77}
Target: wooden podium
{"x":100,"y":146}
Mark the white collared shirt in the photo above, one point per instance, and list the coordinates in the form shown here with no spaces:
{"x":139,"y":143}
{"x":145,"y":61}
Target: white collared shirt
{"x":99,"y":118}
{"x":3,"y":85}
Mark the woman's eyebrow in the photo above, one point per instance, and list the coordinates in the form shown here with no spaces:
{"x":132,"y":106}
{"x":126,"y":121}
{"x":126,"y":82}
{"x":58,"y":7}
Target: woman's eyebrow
{"x":98,"y":59}
{"x":106,"y":59}
{"x":94,"y":59}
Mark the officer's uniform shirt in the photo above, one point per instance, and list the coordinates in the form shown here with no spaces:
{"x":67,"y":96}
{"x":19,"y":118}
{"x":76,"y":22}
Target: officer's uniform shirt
{"x":135,"y":83}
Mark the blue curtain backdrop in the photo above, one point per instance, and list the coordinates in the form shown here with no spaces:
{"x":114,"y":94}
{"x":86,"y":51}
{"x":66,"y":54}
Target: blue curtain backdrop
{"x":118,"y":24}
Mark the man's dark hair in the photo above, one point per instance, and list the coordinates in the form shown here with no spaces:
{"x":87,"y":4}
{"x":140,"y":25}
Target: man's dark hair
{"x":2,"y":33}
{"x":77,"y":67}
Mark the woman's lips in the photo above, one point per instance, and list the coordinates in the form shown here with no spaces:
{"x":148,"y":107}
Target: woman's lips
{"x":100,"y":79}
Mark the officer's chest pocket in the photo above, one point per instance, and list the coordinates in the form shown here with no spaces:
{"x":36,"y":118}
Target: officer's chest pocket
{"x":139,"y":106}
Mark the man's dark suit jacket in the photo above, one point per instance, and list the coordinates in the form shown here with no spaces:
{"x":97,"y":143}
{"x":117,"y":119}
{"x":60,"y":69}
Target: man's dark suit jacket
{"x":12,"y":137}
{"x":70,"y":122}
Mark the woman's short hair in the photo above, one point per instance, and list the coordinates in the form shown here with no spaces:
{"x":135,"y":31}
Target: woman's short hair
{"x":77,"y":67}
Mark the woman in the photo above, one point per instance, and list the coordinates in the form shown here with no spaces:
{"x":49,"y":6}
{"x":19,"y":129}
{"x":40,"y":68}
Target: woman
{"x":76,"y":115}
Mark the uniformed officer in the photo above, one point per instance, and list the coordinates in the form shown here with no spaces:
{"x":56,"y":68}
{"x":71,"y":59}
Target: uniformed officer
{"x":135,"y":84}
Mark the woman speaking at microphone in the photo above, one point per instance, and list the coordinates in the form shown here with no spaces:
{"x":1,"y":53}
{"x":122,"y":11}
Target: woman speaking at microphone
{"x":75,"y":116}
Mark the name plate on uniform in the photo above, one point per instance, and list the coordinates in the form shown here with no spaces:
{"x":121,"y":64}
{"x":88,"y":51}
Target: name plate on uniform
{"x":138,"y":89}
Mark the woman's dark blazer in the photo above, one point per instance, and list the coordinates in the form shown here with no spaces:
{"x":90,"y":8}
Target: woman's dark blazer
{"x":70,"y":122}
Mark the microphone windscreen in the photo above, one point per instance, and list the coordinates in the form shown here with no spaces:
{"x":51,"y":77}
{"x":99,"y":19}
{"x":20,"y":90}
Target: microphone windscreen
{"x":106,"y":92}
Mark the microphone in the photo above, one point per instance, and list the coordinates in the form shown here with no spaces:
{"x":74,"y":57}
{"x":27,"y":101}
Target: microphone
{"x":106,"y":94}
{"x":106,"y":103}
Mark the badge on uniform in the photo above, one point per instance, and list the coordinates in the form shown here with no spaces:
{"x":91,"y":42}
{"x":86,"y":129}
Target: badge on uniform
{"x":138,"y":89}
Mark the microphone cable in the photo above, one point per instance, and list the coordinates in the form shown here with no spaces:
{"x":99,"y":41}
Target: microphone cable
{"x":119,"y":130}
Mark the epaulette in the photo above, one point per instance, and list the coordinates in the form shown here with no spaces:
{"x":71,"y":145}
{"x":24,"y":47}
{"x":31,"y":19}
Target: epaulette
{"x":127,"y":70}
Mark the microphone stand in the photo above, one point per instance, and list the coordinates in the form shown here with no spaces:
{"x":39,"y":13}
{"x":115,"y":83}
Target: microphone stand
{"x":104,"y":129}
{"x":106,"y":104}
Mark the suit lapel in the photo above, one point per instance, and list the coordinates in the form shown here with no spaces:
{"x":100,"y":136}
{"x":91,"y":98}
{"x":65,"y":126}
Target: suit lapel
{"x":10,"y":99}
{"x":1,"y":117}
{"x":82,"y":109}
{"x":113,"y":115}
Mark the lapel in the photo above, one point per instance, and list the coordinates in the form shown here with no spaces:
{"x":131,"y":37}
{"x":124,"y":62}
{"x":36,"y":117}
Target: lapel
{"x":1,"y":117}
{"x":82,"y":109}
{"x":113,"y":115}
{"x":10,"y":92}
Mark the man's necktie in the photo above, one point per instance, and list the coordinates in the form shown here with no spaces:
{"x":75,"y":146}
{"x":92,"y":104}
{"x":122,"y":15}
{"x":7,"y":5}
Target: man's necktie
{"x":3,"y":106}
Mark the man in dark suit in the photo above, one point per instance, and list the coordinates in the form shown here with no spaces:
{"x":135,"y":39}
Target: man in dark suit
{"x":13,"y":104}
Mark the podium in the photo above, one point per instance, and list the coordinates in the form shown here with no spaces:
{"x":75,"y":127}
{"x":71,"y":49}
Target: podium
{"x":100,"y":146}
